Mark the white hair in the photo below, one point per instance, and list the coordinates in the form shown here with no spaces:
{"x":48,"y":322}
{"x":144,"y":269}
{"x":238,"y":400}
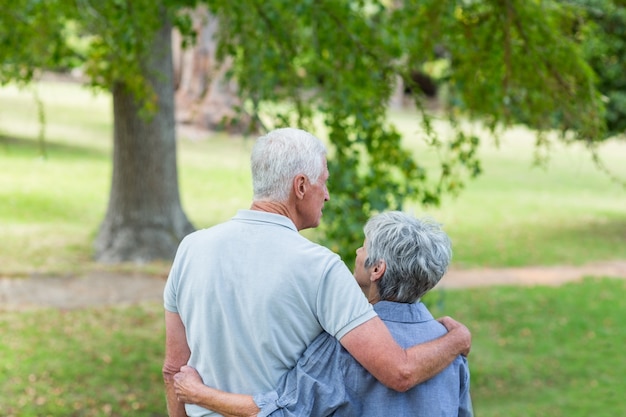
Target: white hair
{"x":417,"y":253}
{"x":279,"y":156}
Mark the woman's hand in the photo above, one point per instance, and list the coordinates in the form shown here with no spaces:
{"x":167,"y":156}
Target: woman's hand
{"x":188,"y":385}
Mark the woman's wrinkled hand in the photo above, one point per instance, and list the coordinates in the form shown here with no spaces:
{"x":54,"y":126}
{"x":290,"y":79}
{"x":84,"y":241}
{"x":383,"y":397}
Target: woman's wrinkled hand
{"x":188,"y":384}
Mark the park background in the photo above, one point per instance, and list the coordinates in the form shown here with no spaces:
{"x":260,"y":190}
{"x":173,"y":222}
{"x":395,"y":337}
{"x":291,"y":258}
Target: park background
{"x":539,"y":351}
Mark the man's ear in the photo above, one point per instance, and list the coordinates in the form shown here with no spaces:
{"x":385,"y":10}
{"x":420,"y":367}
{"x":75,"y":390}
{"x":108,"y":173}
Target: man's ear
{"x":378,"y":270}
{"x":299,"y":186}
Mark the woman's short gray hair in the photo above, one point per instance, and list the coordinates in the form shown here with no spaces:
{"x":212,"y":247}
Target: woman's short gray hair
{"x":417,"y":253}
{"x":279,"y":156}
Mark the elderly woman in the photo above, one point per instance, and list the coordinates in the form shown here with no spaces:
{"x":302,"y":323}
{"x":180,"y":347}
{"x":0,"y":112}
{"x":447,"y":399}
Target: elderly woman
{"x":401,"y":259}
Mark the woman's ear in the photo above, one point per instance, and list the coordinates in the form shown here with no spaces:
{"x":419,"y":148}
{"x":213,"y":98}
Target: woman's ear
{"x":378,"y":270}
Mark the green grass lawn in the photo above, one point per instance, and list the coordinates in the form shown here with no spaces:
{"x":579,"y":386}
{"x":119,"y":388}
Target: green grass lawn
{"x":52,"y":207}
{"x":513,"y":214}
{"x":97,"y":362}
{"x":517,"y":213}
{"x":545,"y":351}
{"x":537,"y":351}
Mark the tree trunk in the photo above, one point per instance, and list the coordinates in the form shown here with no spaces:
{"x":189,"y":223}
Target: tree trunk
{"x":144,"y":220}
{"x":205,"y":97}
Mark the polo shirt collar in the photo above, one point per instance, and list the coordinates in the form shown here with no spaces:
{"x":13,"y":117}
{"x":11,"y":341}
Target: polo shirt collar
{"x":265,"y":217}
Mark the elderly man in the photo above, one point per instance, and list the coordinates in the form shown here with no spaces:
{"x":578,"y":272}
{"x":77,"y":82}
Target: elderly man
{"x":245,"y":298}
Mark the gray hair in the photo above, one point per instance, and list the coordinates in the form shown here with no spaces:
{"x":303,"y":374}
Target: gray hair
{"x":279,"y":156}
{"x":417,"y":253}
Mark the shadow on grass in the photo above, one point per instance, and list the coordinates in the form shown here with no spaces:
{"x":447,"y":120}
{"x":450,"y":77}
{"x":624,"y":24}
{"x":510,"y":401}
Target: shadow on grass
{"x":575,"y":241}
{"x":598,"y":238}
{"x":18,"y":146}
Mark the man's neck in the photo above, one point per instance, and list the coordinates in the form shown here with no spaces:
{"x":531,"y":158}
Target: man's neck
{"x":270,"y":207}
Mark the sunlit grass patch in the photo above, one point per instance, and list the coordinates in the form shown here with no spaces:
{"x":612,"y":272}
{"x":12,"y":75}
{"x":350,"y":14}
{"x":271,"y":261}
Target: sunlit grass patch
{"x":545,"y":350}
{"x":97,"y":362}
{"x":513,"y":214}
{"x":536,"y":351}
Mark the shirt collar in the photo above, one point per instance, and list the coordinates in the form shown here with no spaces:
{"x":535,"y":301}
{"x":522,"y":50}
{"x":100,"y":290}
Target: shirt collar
{"x":402,"y":312}
{"x":265,"y":217}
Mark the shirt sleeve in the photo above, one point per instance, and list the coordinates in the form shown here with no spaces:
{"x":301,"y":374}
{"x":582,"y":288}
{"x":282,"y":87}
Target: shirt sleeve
{"x":314,"y":387}
{"x":268,"y":404}
{"x":341,"y":305}
{"x":171,"y":285}
{"x":169,"y":293}
{"x":465,"y":401}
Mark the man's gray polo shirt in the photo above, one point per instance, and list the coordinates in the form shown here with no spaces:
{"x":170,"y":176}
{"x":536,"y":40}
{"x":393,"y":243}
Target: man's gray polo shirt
{"x":253,"y":293}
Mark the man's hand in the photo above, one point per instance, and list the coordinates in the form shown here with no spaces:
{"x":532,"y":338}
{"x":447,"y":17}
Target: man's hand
{"x":462,"y":332}
{"x":188,"y":385}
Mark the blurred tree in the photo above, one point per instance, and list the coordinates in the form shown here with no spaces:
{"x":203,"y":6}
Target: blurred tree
{"x":495,"y":61}
{"x":601,"y":29}
{"x":205,"y":96}
{"x":123,"y":47}
{"x":305,"y":63}
{"x":144,"y":219}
